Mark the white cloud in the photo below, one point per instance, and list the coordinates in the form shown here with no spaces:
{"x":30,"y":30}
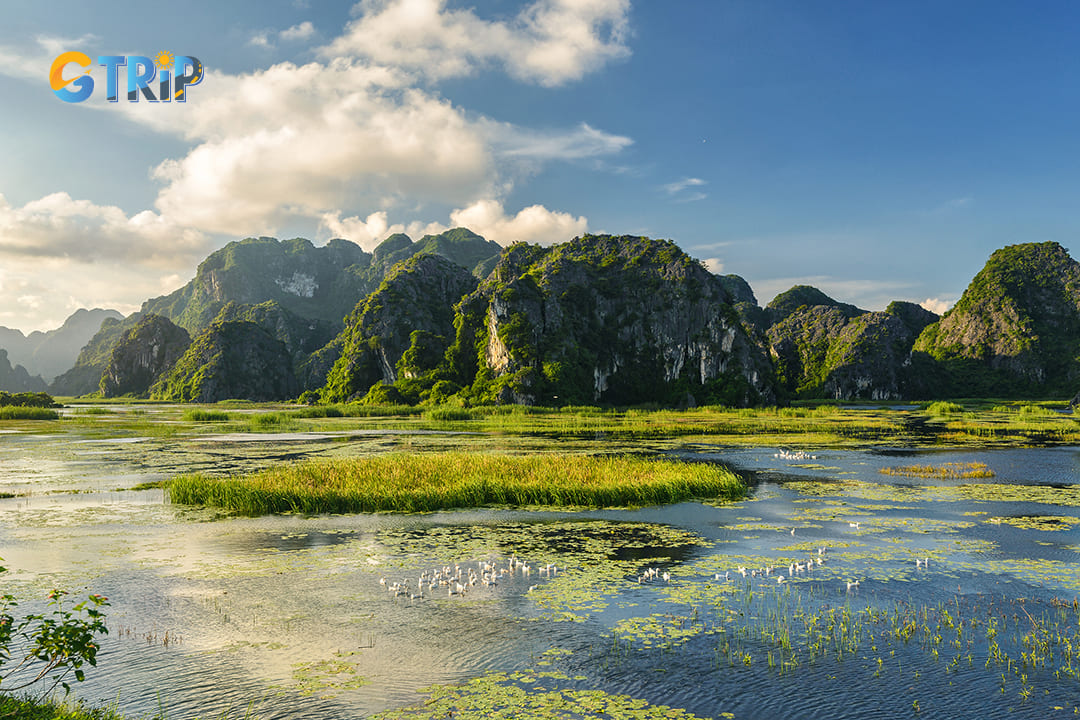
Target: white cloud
{"x":307,"y":141}
{"x":549,"y":42}
{"x":937,"y":305}
{"x":534,"y":224}
{"x":59,"y":226}
{"x":678,"y":186}
{"x":303,"y":31}
{"x":488,"y":218}
{"x":296,"y":33}
{"x":34,"y":64}
{"x":714,"y":265}
{"x":366,"y":233}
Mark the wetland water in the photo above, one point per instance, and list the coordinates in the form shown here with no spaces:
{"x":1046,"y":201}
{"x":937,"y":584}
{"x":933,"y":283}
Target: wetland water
{"x":293,"y":616}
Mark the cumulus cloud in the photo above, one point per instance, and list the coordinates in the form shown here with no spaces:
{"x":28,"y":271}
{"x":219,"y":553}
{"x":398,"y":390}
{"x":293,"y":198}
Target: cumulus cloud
{"x":488,"y":218}
{"x":61,"y":227}
{"x":302,"y":141}
{"x":534,"y":224}
{"x":714,"y":265}
{"x":937,"y":305}
{"x":549,"y":42}
{"x":306,"y":141}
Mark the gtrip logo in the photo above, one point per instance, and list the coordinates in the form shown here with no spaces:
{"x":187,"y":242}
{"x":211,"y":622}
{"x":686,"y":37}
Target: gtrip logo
{"x":172,"y":74}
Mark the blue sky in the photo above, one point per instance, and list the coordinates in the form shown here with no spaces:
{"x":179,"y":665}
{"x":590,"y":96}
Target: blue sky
{"x":878,"y":151}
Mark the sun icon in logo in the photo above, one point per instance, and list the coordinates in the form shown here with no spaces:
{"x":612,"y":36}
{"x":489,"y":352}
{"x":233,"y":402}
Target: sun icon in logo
{"x":164,"y":60}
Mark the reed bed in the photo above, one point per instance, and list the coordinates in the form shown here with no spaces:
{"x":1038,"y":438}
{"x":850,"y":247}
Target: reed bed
{"x":438,"y":481}
{"x":202,"y":415}
{"x":946,"y":471}
{"x":16,"y":412}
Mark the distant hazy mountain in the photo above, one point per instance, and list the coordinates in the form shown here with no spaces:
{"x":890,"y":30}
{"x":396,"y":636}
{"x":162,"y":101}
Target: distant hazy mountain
{"x":16,"y":379}
{"x":50,"y":353}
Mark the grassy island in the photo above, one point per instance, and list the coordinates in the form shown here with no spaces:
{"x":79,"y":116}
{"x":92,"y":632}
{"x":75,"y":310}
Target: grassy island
{"x":438,"y":481}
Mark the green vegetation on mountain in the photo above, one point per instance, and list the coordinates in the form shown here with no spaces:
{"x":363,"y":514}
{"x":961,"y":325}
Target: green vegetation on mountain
{"x":318,"y":283}
{"x":600,"y":319}
{"x":401,"y":331}
{"x":301,"y":336}
{"x":85,"y":376}
{"x":1015,"y":332}
{"x":459,"y":245}
{"x":230,"y":359}
{"x":836,"y":351}
{"x":144,"y":353}
{"x":791,"y":300}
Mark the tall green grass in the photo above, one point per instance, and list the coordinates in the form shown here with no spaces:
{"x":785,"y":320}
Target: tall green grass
{"x":942,"y":407}
{"x":15,"y":412}
{"x":437,"y":481}
{"x":202,"y":415}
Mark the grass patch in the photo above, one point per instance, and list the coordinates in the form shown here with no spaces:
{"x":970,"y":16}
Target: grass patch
{"x":417,"y":483}
{"x":38,"y":709}
{"x":948,"y":470}
{"x":203,"y":415}
{"x":448,"y":414}
{"x":16,"y":412}
{"x":942,"y":407}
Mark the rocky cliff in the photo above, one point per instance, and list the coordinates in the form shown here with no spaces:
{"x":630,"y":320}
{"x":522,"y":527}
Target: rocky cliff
{"x":321,"y":283}
{"x":84,"y":377}
{"x":144,"y":353}
{"x":1014,"y":332}
{"x":230,"y":359}
{"x":835,"y":350}
{"x":402,"y":329}
{"x":619,"y":320}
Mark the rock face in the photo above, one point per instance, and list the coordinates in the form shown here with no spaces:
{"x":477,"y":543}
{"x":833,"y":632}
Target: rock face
{"x":17,"y":379}
{"x":609,"y":319}
{"x":302,"y":336}
{"x":313,"y":283}
{"x":85,"y":376}
{"x":834,"y":350}
{"x":51,"y":353}
{"x":1014,"y":332}
{"x":235,"y":359}
{"x":402,"y":329}
{"x":144,"y":353}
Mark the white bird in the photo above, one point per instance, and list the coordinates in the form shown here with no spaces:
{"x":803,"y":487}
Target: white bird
{"x":854,"y":525}
{"x":779,"y":579}
{"x":851,"y":585}
{"x":667,"y":577}
{"x":793,"y":532}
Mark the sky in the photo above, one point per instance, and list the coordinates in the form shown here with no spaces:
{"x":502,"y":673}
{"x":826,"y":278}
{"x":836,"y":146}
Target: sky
{"x":878,"y":151}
